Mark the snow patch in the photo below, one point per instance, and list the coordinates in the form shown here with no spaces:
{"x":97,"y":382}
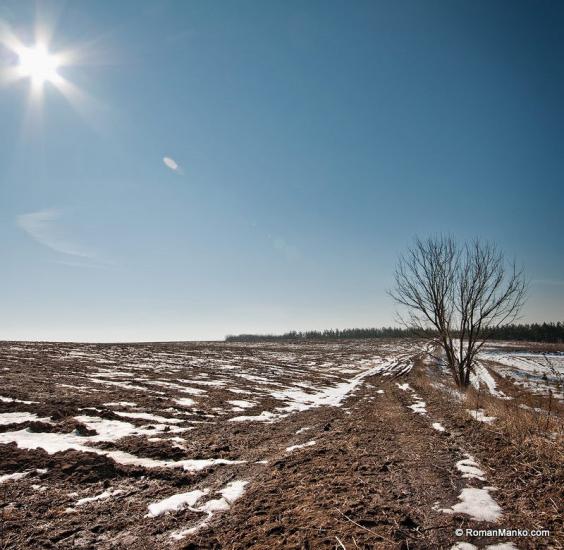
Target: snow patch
{"x":302,"y":430}
{"x":192,"y":391}
{"x":108,"y":430}
{"x":175,"y":502}
{"x":20,"y":418}
{"x":13,"y":477}
{"x":480,"y":416}
{"x":264,"y":416}
{"x":477,"y":503}
{"x":185,"y":402}
{"x":481,"y":375}
{"x":14,"y":400}
{"x":333,"y":396}
{"x":237,"y":390}
{"x":241,"y":404}
{"x":500,"y":546}
{"x":215,"y":505}
{"x":419,"y":407}
{"x":231,"y":492}
{"x":101,"y":496}
{"x":469,"y":468}
{"x":294,"y":447}
{"x":148,"y":416}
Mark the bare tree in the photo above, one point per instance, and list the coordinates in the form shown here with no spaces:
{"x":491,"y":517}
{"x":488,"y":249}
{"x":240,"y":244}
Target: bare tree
{"x":460,"y":291}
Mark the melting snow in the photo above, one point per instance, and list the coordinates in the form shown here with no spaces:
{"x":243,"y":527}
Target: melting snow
{"x":500,"y":546}
{"x":122,"y":385}
{"x":218,"y":383}
{"x":231,"y":492}
{"x":107,"y":430}
{"x":13,"y":477}
{"x":176,"y":502}
{"x":299,"y":400}
{"x":304,"y":429}
{"x":20,"y":418}
{"x":185,"y":402}
{"x":438,"y":426}
{"x":264,"y":416}
{"x":294,"y":447}
{"x":419,"y":407}
{"x":101,"y":496}
{"x":190,"y":465}
{"x":147,"y":416}
{"x":480,"y":416}
{"x":477,"y":503}
{"x":469,"y":468}
{"x":14,"y":400}
{"x":538,"y":372}
{"x":241,"y":404}
{"x":482,"y":375}
{"x":191,"y":391}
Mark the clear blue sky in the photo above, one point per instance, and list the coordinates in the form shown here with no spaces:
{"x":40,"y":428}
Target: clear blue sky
{"x":311,"y":141}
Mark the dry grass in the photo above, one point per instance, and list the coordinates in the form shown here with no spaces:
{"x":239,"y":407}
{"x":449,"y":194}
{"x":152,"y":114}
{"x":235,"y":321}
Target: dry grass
{"x":523,"y":448}
{"x":525,"y":419}
{"x":523,"y":422}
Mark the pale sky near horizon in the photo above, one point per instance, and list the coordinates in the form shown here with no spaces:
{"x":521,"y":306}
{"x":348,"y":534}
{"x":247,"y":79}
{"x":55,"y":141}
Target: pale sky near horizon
{"x":208,"y":168}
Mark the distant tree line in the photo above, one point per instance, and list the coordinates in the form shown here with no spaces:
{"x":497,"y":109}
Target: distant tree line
{"x":329,"y":334}
{"x":533,"y":332}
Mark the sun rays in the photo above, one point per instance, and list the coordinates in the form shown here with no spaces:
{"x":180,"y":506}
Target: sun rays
{"x":36,"y":62}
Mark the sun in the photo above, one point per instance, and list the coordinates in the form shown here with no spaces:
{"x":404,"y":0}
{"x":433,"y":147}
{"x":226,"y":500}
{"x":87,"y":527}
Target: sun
{"x":37,"y":64}
{"x":44,"y":69}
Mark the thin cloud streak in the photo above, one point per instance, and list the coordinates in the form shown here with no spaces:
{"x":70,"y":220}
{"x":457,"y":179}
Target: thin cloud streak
{"x":42,"y":227}
{"x":87,"y":263}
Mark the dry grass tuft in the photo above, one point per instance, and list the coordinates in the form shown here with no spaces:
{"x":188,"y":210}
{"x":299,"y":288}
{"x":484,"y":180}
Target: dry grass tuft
{"x":522,"y":447}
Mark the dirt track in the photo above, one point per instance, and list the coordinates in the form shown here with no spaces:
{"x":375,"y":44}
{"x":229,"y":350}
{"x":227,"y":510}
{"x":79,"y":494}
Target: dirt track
{"x":369,"y":470}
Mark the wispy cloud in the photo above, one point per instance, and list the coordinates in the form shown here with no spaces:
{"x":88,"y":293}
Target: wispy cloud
{"x":173,"y":165}
{"x":89,"y":263}
{"x":42,"y":227}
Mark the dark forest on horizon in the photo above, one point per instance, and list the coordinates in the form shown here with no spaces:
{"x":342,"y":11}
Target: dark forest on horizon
{"x":528,"y":332}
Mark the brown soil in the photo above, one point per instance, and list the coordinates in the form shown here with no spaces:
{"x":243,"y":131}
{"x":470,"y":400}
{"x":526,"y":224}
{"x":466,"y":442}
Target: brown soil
{"x":376,"y":477}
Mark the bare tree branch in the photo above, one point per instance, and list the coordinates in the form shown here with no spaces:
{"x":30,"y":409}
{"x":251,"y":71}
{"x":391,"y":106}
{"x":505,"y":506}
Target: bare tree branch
{"x":460,"y":291}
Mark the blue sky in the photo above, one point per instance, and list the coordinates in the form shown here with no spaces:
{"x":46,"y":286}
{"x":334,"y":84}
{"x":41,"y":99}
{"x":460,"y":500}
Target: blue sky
{"x":312,"y":141}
